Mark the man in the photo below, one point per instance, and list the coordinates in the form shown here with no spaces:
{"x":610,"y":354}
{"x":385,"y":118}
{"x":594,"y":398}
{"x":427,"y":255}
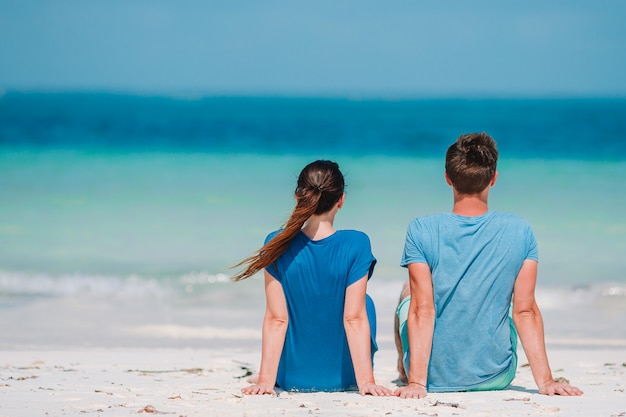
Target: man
{"x":453,"y":328}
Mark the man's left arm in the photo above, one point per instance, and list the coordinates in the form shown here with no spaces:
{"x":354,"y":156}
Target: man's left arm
{"x":529,"y":324}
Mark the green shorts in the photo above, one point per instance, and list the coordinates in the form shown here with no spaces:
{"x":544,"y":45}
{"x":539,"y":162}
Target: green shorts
{"x":498,"y":383}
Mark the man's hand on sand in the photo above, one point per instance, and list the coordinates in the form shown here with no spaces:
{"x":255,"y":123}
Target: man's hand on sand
{"x":559,"y":388}
{"x":411,"y":391}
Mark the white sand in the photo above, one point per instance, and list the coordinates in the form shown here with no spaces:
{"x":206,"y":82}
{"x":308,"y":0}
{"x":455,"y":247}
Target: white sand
{"x":197,"y":382}
{"x":94,"y":357}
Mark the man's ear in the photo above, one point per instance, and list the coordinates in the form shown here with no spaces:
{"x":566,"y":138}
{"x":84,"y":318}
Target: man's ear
{"x":493,"y":180}
{"x":445,"y":175}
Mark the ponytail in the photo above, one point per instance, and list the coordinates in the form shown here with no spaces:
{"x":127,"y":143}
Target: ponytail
{"x":320,"y":186}
{"x":272,"y":250}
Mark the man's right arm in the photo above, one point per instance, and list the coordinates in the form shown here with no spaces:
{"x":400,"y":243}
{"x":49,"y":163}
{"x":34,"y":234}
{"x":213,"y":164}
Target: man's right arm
{"x":421,"y":324}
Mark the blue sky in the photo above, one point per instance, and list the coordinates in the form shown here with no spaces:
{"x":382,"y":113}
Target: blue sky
{"x":316,"y":48}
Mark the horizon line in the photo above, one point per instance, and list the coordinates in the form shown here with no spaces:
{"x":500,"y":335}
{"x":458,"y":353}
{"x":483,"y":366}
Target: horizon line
{"x":349,"y":96}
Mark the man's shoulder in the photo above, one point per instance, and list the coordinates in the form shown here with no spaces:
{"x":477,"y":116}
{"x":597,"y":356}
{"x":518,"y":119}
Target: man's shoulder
{"x":430,"y":219}
{"x":509,"y":218}
{"x":445,"y":220}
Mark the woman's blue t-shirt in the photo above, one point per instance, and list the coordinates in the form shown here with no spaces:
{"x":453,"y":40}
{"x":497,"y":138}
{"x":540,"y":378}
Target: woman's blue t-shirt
{"x":314,"y":275}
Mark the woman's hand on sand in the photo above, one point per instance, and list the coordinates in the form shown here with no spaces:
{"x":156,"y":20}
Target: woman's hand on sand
{"x":370,"y":388}
{"x":559,"y":388}
{"x":258,"y":389}
{"x":411,"y":391}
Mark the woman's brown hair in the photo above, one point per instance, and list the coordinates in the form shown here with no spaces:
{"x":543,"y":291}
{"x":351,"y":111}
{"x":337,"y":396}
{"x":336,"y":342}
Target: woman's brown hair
{"x":320,"y":186}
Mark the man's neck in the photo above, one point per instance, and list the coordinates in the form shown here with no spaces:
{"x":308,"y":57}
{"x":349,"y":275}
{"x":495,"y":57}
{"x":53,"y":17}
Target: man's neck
{"x":470,"y":205}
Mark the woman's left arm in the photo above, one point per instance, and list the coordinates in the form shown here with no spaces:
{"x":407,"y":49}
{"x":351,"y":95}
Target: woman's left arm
{"x":356,"y":324}
{"x":274,"y":331}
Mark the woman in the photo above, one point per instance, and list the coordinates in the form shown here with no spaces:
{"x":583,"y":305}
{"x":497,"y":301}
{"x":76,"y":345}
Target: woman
{"x":319,"y":326}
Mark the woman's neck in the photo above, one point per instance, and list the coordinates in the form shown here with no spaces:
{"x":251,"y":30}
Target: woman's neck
{"x":319,"y":226}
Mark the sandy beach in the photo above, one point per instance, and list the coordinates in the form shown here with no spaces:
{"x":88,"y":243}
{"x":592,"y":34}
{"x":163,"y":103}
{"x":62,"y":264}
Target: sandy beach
{"x":81,"y":356}
{"x":201,"y":382}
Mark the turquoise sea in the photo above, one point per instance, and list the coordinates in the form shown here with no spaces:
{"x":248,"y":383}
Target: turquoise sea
{"x":121,"y":215}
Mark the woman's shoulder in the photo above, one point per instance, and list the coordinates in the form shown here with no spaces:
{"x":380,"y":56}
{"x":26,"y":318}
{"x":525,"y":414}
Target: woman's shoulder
{"x":353,"y":235}
{"x":352,"y":232}
{"x":272,"y":235}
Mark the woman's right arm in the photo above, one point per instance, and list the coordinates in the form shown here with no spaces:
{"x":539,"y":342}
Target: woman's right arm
{"x":274,"y":331}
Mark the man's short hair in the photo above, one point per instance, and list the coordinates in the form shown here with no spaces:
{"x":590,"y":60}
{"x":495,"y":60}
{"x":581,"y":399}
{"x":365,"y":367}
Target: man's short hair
{"x":471,"y":162}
